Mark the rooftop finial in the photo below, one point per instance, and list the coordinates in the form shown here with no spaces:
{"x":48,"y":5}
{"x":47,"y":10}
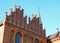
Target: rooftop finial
{"x":39,"y":12}
{"x":11,"y":9}
{"x":15,"y":7}
{"x":57,"y":32}
{"x":57,"y":29}
{"x":40,"y":22}
{"x":29,"y":19}
{"x":33,"y":15}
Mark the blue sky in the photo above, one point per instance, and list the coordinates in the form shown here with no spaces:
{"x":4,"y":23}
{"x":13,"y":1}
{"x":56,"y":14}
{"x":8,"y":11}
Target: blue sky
{"x":49,"y":11}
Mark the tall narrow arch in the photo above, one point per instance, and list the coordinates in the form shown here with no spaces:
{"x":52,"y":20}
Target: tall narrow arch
{"x":12,"y":36}
{"x":18,"y":38}
{"x":41,"y":41}
{"x":37,"y":41}
{"x":28,"y":39}
{"x":31,"y":40}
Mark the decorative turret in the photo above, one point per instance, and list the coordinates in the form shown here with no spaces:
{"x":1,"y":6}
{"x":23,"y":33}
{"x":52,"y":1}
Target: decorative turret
{"x":15,"y":7}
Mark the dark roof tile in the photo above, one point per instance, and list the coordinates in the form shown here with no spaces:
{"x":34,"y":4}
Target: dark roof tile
{"x":54,"y":35}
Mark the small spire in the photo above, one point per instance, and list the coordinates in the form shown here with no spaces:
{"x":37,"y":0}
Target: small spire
{"x":33,"y":15}
{"x":26,"y":19}
{"x":5,"y":14}
{"x":18,"y":7}
{"x":10,"y":10}
{"x":39,"y":12}
{"x":29,"y":20}
{"x":40,"y":22}
{"x":57,"y":32}
{"x":15,"y":7}
{"x":44,"y":32}
{"x":44,"y":29}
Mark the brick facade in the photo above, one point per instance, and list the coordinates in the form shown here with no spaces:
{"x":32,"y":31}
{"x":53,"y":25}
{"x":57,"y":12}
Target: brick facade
{"x":16,"y":23}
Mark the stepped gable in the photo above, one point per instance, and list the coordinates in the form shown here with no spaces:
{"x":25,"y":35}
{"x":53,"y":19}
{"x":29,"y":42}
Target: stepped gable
{"x":16,"y":18}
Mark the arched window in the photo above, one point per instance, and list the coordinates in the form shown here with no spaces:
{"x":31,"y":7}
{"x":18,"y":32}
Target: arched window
{"x":36,"y":41}
{"x":18,"y":38}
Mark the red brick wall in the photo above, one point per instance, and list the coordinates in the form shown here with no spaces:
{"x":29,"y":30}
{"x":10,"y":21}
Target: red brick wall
{"x":13,"y":29}
{"x":17,"y":23}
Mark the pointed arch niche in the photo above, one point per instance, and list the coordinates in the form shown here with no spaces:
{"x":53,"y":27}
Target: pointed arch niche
{"x":12,"y":36}
{"x":18,"y":38}
{"x":37,"y":41}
